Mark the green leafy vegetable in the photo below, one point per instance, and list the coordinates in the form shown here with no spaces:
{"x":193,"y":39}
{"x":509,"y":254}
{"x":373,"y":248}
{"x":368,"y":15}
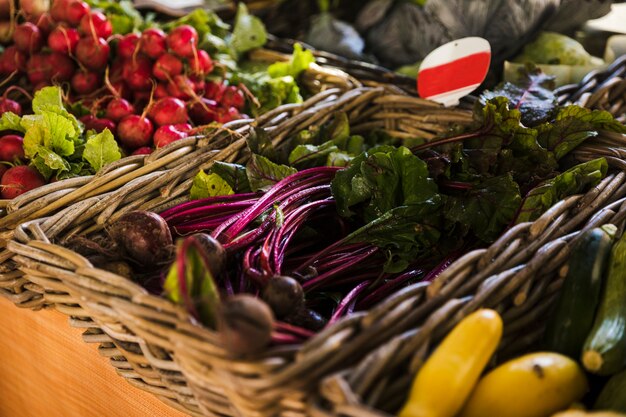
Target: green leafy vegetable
{"x":190,"y":283}
{"x":11,"y":121}
{"x":209,"y":185}
{"x":123,"y":16}
{"x":234,"y":174}
{"x":249,"y":31}
{"x":311,"y":155}
{"x":101,"y":149}
{"x":299,"y":61}
{"x":263,"y":173}
{"x":573,"y":181}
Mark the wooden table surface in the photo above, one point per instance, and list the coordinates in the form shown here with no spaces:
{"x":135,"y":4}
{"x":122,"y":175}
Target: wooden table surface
{"x":46,"y":370}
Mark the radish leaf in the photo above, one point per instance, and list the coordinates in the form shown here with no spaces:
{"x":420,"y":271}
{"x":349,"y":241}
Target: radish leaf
{"x":263,"y":173}
{"x":234,"y":174}
{"x":101,"y":149}
{"x":209,"y":185}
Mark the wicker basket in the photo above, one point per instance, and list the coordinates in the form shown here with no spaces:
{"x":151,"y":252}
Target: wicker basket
{"x":362,"y":365}
{"x":52,"y":275}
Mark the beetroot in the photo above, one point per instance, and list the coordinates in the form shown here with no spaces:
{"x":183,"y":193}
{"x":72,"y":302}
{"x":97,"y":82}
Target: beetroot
{"x":203,"y":113}
{"x":135,"y":131}
{"x":76,"y":11}
{"x":183,"y":41}
{"x":85,"y":82}
{"x":27,"y":38}
{"x":137,"y":73}
{"x":168,"y":111}
{"x":118,"y":108}
{"x":144,"y":236}
{"x":145,"y":150}
{"x":95,"y":24}
{"x":127,"y":45}
{"x":167,"y":134}
{"x":153,"y":42}
{"x":63,"y":40}
{"x":166,"y":67}
{"x":7,"y":105}
{"x":93,"y":53}
{"x":201,"y":63}
{"x":11,"y":148}
{"x":20,"y":179}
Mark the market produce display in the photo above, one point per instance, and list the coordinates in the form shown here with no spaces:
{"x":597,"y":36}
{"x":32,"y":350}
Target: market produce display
{"x":124,"y":85}
{"x":305,"y":223}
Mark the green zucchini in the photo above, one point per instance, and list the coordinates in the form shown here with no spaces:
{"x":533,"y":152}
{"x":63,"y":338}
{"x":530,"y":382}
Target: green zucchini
{"x":613,"y":395}
{"x":604,"y":352}
{"x":575,"y":309}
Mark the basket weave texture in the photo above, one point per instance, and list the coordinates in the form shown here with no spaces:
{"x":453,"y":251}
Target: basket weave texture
{"x":360,"y":366}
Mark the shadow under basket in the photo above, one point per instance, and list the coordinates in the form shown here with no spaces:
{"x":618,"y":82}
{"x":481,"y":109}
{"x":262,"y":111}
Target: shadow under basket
{"x":156,"y":345}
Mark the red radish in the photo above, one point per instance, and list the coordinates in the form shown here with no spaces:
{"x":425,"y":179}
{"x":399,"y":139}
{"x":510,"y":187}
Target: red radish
{"x":5,"y":8}
{"x":11,"y":148}
{"x":95,"y":24}
{"x":85,"y":82}
{"x":225,"y":115}
{"x":38,"y":69}
{"x":58,"y":9}
{"x":7,"y":105}
{"x":62,"y":67}
{"x":214,"y":91}
{"x":76,"y":11}
{"x":45,"y":24}
{"x":93,"y":123}
{"x":127,"y":45}
{"x":135,"y":131}
{"x":233,"y":97}
{"x":40,"y":85}
{"x":168,"y":111}
{"x":166,"y":67}
{"x":161,"y":91}
{"x":183,"y":41}
{"x":203,"y":113}
{"x":6,"y":31}
{"x":167,"y":134}
{"x":122,"y":89}
{"x":34,"y":8}
{"x":181,"y":87}
{"x":14,"y":60}
{"x":137,"y":73}
{"x":201,"y":63}
{"x":183,"y":127}
{"x":145,"y":150}
{"x":63,"y":40}
{"x":93,"y":53}
{"x":153,"y":42}
{"x":27,"y":38}
{"x":116,"y":70}
{"x":20,"y":179}
{"x":199,"y":85}
{"x":3,"y":168}
{"x":118,"y":108}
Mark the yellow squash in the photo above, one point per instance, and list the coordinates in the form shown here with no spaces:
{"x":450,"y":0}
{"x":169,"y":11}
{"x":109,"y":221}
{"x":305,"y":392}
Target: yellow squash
{"x":448,"y":376}
{"x":535,"y":385}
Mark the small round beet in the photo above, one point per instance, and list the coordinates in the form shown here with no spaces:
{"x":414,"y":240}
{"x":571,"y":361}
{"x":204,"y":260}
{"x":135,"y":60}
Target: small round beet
{"x":183,"y":41}
{"x":283,"y":294}
{"x":245,"y":324}
{"x":20,"y":179}
{"x":144,"y":236}
{"x":214,"y":251}
{"x":306,"y":318}
{"x":135,"y":131}
{"x":11,"y":148}
{"x":28,"y":38}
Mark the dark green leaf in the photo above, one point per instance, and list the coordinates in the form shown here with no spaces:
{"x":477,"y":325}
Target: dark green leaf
{"x":532,"y":94}
{"x":573,"y":181}
{"x":260,"y":143}
{"x":486,"y":209}
{"x":263,"y":173}
{"x":234,"y":174}
{"x":304,"y":156}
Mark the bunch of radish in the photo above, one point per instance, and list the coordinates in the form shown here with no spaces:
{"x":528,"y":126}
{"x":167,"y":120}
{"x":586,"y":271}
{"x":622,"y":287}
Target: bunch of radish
{"x":149,"y":88}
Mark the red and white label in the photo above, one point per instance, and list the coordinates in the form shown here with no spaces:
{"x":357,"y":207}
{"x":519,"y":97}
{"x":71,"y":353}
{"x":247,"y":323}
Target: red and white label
{"x":454,"y":70}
